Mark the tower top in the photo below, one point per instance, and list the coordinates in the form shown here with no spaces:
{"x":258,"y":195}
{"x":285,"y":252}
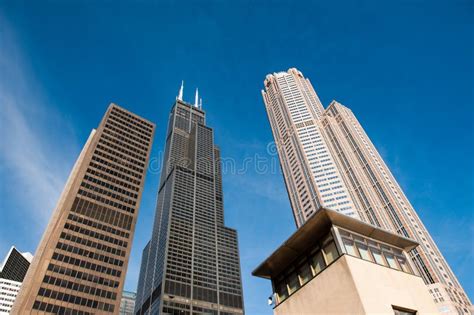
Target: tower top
{"x":196,"y":98}
{"x":180,"y":94}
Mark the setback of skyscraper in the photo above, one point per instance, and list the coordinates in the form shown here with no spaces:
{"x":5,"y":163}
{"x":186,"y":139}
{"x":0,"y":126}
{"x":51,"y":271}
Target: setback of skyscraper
{"x":81,"y":261}
{"x":328,"y":160}
{"x":191,"y":264}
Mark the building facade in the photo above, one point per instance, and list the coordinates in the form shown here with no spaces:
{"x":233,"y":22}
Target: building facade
{"x":12,"y":272}
{"x":191,"y":264}
{"x":127,"y":304}
{"x":80,"y":263}
{"x":335,"y":264}
{"x":328,"y":160}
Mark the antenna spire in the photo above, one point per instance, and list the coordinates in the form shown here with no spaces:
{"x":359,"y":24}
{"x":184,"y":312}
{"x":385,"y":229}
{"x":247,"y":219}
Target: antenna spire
{"x":196,"y":99}
{"x":200,"y":103}
{"x":180,"y":95}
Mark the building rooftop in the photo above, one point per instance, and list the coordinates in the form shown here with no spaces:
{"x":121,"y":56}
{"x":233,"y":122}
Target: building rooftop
{"x":316,"y":228}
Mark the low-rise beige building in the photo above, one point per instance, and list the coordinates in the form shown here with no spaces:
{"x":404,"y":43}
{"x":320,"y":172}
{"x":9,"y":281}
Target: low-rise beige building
{"x":335,"y":264}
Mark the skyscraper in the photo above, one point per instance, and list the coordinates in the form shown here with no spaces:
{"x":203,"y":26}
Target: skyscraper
{"x":191,"y":264}
{"x":15,"y":265}
{"x":328,"y":160}
{"x":127,"y":304}
{"x":80,"y":264}
{"x":12,"y":272}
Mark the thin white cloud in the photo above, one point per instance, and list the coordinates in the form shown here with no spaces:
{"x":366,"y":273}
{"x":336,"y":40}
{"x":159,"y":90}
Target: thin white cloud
{"x":34,"y":160}
{"x":23,"y":160}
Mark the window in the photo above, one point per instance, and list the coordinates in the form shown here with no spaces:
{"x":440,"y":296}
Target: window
{"x":304,"y":273}
{"x":282,"y":291}
{"x":404,"y":264}
{"x":364,"y":251}
{"x":293,"y":282}
{"x":350,"y":248}
{"x":330,"y":252}
{"x":377,"y":254}
{"x":391,"y":260}
{"x":317,"y":263}
{"x":402,"y":311}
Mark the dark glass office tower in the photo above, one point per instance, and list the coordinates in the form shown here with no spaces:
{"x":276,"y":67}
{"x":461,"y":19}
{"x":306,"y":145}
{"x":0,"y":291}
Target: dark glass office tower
{"x":191,"y":264}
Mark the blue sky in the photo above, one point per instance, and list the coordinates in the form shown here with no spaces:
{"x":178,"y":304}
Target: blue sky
{"x":405,"y":68}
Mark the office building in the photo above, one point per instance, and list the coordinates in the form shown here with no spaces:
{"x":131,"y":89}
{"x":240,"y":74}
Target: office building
{"x":127,"y":304}
{"x":328,"y":160}
{"x":191,"y":264}
{"x":80,"y":263}
{"x":335,"y":264}
{"x":15,"y":265}
{"x":12,"y":272}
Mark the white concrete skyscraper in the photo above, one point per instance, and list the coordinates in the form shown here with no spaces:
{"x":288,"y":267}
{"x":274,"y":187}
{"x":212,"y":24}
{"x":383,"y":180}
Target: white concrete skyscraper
{"x":311,"y":175}
{"x":328,"y":160}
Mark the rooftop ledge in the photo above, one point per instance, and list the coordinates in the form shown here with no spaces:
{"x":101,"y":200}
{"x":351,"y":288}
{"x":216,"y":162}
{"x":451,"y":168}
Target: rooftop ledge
{"x":317,"y":227}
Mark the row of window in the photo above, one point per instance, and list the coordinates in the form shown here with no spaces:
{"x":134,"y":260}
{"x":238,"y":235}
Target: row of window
{"x":56,"y":309}
{"x":70,"y":298}
{"x":122,"y":144}
{"x":127,"y":132}
{"x":130,"y":155}
{"x":92,"y":244}
{"x":95,"y":235}
{"x":83,"y":276}
{"x":308,"y":267}
{"x":86,"y":264}
{"x":117,"y":134}
{"x":131,"y":124}
{"x":375,"y":252}
{"x":105,"y":200}
{"x":133,"y":117}
{"x":98,"y":225}
{"x":110,"y":186}
{"x":63,"y":283}
{"x":111,"y":149}
{"x":103,"y":214}
{"x":92,"y":255}
{"x":112,"y":179}
{"x":104,"y":192}
{"x":117,"y":167}
{"x":109,"y":171}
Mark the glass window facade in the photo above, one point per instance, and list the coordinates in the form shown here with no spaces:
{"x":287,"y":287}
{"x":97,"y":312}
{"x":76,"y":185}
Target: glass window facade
{"x":306,"y":268}
{"x":321,"y":254}
{"x":377,"y":252}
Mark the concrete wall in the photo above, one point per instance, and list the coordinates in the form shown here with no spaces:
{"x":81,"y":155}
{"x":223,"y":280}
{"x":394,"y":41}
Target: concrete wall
{"x":354,"y":286}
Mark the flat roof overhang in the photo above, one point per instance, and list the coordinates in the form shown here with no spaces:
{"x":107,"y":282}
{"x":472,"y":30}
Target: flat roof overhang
{"x":317,"y":227}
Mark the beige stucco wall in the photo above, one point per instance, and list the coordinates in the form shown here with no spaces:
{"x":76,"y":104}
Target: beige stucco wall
{"x":354,"y":286}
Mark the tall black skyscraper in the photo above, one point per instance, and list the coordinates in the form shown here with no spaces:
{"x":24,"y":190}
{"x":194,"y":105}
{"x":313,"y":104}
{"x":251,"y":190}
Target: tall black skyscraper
{"x":191,"y":264}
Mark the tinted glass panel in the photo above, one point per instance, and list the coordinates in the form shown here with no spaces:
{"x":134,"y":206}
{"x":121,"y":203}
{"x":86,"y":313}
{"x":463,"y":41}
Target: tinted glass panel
{"x":305,"y":273}
{"x":293,"y":282}
{"x":330,"y":252}
{"x":281,"y":291}
{"x":377,"y":254}
{"x":364,"y":251}
{"x":317,"y":262}
{"x":350,"y":248}
{"x":404,"y":264}
{"x":391,"y":260}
